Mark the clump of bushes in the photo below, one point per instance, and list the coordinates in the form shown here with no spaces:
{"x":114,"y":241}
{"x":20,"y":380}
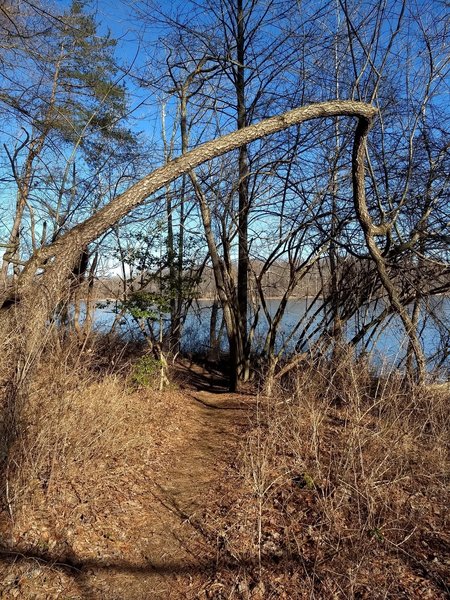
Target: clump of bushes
{"x":146,"y":371}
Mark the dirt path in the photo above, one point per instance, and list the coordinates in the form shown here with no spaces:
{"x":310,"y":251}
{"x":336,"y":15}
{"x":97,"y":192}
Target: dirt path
{"x":175,"y":542}
{"x":194,"y":484}
{"x":149,"y":532}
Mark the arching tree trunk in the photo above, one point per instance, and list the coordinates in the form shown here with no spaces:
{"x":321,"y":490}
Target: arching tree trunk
{"x":26,"y":306}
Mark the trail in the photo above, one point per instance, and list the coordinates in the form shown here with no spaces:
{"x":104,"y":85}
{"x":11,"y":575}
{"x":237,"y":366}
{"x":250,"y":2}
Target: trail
{"x":151,"y":534}
{"x":175,"y":542}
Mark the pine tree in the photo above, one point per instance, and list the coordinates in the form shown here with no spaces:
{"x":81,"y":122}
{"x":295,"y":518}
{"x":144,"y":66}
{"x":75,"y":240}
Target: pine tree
{"x":69,"y":102}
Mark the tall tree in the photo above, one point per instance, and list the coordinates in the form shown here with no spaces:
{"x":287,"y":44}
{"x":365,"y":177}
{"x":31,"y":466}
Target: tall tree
{"x":75,"y":102}
{"x":244,"y":46}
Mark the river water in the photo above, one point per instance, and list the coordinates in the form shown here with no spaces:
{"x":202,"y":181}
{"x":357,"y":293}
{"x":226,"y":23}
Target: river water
{"x":386,"y":347}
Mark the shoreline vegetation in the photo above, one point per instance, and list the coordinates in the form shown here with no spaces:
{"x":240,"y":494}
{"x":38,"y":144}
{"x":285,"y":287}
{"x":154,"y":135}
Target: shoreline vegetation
{"x":273,"y":286}
{"x":207,"y":298}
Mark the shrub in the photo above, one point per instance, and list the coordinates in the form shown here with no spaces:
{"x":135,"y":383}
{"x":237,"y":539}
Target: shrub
{"x":146,"y":371}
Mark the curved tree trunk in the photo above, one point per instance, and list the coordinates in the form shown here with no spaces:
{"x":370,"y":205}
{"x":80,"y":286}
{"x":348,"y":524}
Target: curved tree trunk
{"x":26,"y":307}
{"x":371,"y":230}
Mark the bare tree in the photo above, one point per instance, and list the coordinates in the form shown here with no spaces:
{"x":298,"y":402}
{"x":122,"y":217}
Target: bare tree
{"x":43,"y":279}
{"x":70,"y":109}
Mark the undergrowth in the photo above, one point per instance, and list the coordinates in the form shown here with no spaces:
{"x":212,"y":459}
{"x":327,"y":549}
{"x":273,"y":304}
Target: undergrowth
{"x":347,"y":482}
{"x":343,"y":477}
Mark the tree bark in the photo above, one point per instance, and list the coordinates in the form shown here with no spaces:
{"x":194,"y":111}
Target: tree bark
{"x":370,"y":232}
{"x":243,"y":193}
{"x":31,"y":300}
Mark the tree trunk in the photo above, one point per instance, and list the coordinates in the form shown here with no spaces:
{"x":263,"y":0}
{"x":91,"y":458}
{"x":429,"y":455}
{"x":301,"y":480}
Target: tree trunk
{"x":370,"y":232}
{"x":243,"y":192}
{"x":27,"y":304}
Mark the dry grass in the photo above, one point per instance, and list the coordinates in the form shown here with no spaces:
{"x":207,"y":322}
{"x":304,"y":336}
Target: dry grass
{"x":339,"y":490}
{"x":346,"y":482}
{"x":73,"y":415}
{"x":77,"y":472}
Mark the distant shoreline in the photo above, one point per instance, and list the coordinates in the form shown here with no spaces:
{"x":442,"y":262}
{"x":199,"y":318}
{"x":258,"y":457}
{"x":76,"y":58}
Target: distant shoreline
{"x":270,"y":298}
{"x":207,"y":299}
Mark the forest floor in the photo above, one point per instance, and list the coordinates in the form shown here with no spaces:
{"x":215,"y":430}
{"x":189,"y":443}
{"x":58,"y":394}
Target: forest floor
{"x":196,"y":493}
{"x":140,"y":523}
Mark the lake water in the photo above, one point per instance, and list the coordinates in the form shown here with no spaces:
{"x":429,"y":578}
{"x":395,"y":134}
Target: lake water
{"x":387,"y":346}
